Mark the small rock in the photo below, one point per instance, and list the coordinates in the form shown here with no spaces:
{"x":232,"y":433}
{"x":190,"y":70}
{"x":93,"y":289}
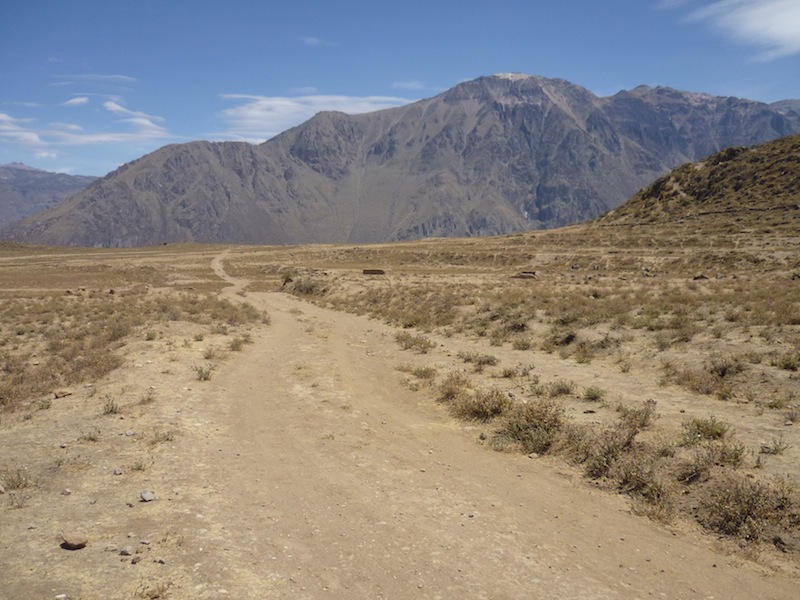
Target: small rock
{"x":2,"y":489}
{"x":129,"y":432}
{"x":74,"y":540}
{"x":135,"y":559}
{"x":66,"y":492}
{"x":117,"y":471}
{"x":126,"y":551}
{"x":160,"y":561}
{"x":147,"y":496}
{"x":111,"y":548}
{"x":789,"y":423}
{"x":61,"y":394}
{"x":482,"y":436}
{"x":62,"y":445}
{"x":32,"y":526}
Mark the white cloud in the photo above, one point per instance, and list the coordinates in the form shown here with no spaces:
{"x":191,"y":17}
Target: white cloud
{"x":18,"y":131}
{"x":137,"y":127}
{"x":78,"y":101}
{"x":97,"y":78}
{"x":258,"y":118}
{"x":67,"y":126}
{"x":774,"y":25}
{"x":143,"y":123}
{"x":310,"y":40}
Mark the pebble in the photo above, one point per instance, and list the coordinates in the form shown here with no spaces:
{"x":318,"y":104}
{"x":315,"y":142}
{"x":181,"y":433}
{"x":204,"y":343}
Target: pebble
{"x":126,"y":551}
{"x":117,"y":471}
{"x":66,"y":492}
{"x":74,"y":540}
{"x":129,"y":432}
{"x":2,"y":489}
{"x":147,"y":496}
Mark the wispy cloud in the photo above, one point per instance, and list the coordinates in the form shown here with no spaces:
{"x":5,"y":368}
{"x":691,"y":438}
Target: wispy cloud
{"x":78,"y":101}
{"x":258,"y":118}
{"x":98,"y":78}
{"x":773,"y":25}
{"x":129,"y":127}
{"x":19,"y":131}
{"x":144,"y":124}
{"x":310,"y":40}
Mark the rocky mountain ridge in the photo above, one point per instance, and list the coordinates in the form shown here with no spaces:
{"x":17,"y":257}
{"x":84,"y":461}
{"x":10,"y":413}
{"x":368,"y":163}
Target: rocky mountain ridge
{"x":26,"y":191}
{"x":494,"y":155}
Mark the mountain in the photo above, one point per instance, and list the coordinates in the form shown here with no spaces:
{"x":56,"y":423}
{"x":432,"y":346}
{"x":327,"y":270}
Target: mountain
{"x":498,"y":154}
{"x":25,"y":191}
{"x":756,"y":187}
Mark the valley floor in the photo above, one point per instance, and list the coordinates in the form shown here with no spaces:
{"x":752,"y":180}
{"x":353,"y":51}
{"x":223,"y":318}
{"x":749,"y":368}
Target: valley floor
{"x":306,"y":468}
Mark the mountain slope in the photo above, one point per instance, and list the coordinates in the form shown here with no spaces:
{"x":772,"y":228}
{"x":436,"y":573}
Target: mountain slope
{"x":25,"y":191}
{"x":493,"y":155}
{"x":752,"y":187}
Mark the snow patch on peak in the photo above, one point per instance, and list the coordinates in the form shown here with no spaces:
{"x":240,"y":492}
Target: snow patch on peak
{"x":513,"y":76}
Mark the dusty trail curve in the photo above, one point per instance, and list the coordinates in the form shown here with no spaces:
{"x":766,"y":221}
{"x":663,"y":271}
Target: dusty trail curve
{"x":331,"y":479}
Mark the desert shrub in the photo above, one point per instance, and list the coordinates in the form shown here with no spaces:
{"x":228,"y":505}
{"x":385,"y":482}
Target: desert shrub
{"x":424,"y":372}
{"x":695,"y":430}
{"x":308,"y":287}
{"x":419,"y":342}
{"x":478,"y":359}
{"x":534,"y":425}
{"x":453,"y":386}
{"x":743,"y":507}
{"x":16,"y":479}
{"x":725,"y":366}
{"x":203,"y":372}
{"x":110,"y":407}
{"x":638,"y":419}
{"x":522,"y":343}
{"x":697,"y":468}
{"x":610,"y":443}
{"x":561,"y":387}
{"x":482,"y":406}
{"x":594,"y":394}
{"x":639,"y":475}
{"x":237,"y":343}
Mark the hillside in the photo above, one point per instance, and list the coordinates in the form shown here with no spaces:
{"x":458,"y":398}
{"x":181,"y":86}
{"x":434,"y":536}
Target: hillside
{"x":25,"y":191}
{"x":494,"y":155}
{"x":754,"y":187}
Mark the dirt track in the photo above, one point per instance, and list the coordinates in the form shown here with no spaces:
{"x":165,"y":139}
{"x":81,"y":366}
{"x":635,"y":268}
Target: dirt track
{"x":306,"y":469}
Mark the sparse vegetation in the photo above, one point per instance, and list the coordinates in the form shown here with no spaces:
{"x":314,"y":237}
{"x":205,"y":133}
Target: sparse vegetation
{"x":419,"y":343}
{"x":203,"y":372}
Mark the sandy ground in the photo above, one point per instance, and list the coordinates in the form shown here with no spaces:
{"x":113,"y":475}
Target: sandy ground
{"x":305,"y":468}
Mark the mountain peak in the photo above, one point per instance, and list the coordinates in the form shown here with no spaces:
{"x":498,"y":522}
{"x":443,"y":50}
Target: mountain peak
{"x":21,"y":166}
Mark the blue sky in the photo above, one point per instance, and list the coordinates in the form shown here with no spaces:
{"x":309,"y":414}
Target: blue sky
{"x":87,"y":85}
